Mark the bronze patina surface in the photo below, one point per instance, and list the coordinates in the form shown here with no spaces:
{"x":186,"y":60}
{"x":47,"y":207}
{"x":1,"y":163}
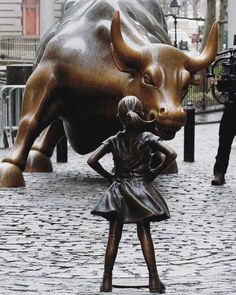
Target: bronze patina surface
{"x":79,"y":78}
{"x":131,"y":196}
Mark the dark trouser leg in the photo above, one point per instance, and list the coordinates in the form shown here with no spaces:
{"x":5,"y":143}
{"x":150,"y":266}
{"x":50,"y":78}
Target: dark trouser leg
{"x":226,"y":136}
{"x":115,"y":232}
{"x":144,"y":235}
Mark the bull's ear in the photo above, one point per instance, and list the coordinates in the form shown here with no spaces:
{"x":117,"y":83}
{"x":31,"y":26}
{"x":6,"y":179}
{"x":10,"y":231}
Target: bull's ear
{"x":122,"y":65}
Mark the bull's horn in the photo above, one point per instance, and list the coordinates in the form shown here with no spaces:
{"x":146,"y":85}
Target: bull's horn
{"x":124,"y":52}
{"x":208,"y":54}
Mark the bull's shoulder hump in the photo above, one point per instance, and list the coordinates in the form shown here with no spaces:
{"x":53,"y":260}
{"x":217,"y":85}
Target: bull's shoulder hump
{"x":87,"y":25}
{"x":87,"y":12}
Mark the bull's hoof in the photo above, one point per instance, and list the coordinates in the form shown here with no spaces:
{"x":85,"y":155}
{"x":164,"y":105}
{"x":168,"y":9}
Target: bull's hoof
{"x":38,"y":162}
{"x":11,"y":175}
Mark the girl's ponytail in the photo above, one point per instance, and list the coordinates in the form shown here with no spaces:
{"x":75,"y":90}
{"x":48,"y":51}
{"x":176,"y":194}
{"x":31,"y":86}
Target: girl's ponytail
{"x":132,"y":120}
{"x":130,"y":112}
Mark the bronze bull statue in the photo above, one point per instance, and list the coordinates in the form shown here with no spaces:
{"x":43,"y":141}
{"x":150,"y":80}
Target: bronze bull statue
{"x":99,"y":52}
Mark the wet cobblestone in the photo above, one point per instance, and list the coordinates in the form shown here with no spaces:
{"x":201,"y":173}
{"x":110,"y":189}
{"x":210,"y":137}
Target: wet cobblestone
{"x":50,"y":244}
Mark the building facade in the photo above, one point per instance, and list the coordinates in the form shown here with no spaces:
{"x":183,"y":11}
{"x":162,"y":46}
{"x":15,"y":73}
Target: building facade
{"x":231,"y":23}
{"x":22,"y":17}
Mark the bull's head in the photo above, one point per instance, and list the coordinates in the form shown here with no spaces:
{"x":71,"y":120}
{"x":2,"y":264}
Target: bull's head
{"x":160,"y":76}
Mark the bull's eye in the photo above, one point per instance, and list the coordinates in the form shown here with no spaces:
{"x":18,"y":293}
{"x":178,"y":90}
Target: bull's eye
{"x":147,"y":80}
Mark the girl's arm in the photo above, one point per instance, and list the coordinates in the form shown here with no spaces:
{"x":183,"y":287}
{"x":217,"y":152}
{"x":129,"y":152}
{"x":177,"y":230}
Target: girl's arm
{"x":170,"y":156}
{"x":93,"y":162}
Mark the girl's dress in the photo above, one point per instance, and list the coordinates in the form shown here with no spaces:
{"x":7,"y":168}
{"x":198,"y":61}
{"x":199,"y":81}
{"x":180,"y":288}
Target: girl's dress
{"x":132,"y":197}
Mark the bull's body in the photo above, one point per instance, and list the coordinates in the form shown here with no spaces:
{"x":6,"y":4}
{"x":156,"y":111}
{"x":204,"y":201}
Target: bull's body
{"x":91,"y":82}
{"x":79,"y":79}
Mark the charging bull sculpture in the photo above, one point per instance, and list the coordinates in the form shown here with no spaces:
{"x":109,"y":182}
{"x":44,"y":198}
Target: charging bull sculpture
{"x":99,"y":52}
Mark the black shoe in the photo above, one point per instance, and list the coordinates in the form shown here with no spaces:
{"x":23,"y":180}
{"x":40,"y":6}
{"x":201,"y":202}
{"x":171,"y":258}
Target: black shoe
{"x":219,"y":179}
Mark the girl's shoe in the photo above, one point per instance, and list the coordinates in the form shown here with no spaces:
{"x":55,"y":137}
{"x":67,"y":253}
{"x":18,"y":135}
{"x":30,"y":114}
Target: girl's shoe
{"x":156,"y":285}
{"x":106,"y":285}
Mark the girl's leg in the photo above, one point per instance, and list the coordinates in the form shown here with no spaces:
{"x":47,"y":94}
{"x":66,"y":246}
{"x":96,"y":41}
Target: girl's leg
{"x":144,"y":235}
{"x":115,"y":232}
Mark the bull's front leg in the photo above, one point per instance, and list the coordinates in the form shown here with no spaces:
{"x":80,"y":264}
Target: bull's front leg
{"x":38,"y":112}
{"x":39,"y":156}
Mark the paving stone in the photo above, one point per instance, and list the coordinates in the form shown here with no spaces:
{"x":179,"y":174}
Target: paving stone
{"x":51,"y":244}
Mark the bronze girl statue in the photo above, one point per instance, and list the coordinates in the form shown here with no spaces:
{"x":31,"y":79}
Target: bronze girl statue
{"x":131,"y":196}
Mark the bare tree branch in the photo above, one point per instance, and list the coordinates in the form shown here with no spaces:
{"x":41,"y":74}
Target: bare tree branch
{"x":210,"y":18}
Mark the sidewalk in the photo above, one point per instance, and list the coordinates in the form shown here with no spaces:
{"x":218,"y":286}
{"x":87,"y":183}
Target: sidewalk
{"x":209,"y":116}
{"x":51,"y":244}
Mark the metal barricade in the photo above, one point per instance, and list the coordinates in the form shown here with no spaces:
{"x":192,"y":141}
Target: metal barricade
{"x":10,"y":111}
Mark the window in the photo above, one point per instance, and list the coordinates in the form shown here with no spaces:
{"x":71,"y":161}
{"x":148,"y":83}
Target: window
{"x":30,"y":17}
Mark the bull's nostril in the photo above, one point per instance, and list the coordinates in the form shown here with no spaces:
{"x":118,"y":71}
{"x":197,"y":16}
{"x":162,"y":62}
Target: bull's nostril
{"x":162,"y":111}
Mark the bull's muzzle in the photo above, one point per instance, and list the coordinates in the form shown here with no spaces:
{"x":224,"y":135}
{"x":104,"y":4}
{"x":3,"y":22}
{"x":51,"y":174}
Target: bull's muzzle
{"x":169,"y":120}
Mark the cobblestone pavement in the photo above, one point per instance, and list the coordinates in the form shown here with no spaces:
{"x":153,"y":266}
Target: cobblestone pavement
{"x":50,"y":244}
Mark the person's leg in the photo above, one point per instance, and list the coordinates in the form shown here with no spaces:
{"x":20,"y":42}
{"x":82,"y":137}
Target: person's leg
{"x":222,"y":157}
{"x":226,"y":136}
{"x":115,"y":232}
{"x":144,"y":235}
